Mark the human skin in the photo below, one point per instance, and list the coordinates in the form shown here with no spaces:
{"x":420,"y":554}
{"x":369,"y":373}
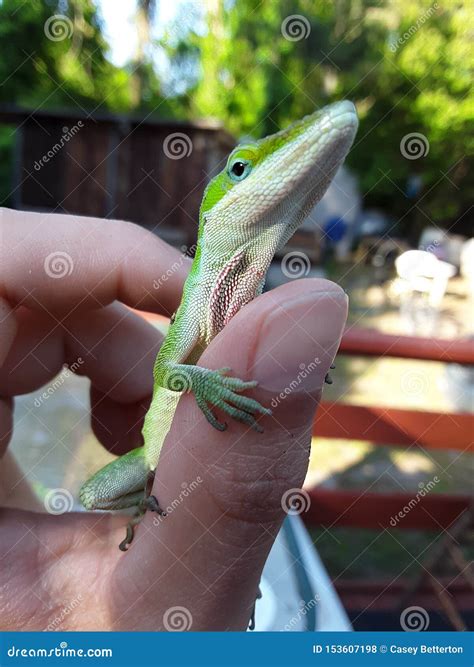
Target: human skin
{"x":208,"y":554}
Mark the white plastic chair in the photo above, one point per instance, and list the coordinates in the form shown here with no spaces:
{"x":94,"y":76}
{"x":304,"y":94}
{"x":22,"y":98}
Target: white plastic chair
{"x":421,"y":271}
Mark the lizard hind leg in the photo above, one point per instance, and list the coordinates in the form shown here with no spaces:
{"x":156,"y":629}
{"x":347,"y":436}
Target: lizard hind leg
{"x":125,"y":482}
{"x":145,"y":502}
{"x":118,"y":485}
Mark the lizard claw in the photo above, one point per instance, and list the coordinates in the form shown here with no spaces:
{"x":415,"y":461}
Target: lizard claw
{"x":151,"y":503}
{"x":328,"y":378}
{"x":209,"y":415}
{"x":123,"y":546}
{"x":148,"y":503}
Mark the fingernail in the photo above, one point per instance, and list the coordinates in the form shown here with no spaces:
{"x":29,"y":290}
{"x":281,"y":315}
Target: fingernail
{"x":299,"y":340}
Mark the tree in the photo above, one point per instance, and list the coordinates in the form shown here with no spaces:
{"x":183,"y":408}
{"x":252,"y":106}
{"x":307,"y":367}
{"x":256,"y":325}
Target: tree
{"x":59,"y":57}
{"x":404,"y":64}
{"x":258,"y":66}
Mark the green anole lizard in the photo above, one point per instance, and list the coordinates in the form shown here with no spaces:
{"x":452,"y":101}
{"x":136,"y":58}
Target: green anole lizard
{"x":248,"y":212}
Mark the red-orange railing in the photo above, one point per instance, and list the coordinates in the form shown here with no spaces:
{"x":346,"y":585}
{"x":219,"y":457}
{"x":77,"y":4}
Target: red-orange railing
{"x":390,"y":426}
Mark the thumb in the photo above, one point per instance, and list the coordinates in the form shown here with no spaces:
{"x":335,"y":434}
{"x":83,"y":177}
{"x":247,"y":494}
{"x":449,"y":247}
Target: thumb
{"x":226,"y":492}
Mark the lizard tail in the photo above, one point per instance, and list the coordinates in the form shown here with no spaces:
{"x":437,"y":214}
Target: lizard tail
{"x":157,"y":423}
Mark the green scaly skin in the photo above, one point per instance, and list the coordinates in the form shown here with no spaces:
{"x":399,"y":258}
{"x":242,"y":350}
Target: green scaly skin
{"x":248,"y":212}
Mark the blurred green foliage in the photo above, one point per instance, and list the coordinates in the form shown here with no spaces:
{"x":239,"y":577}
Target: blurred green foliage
{"x":42,"y":73}
{"x":407,"y":64}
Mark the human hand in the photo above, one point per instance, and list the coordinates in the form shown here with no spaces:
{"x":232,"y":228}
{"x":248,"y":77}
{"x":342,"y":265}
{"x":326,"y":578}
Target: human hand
{"x":207,"y":555}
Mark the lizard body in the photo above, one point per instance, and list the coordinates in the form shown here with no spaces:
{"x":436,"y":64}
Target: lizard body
{"x":248,"y":212}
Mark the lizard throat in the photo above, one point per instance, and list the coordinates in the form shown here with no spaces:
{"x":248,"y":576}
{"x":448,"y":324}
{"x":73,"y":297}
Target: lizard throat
{"x":239,"y":281}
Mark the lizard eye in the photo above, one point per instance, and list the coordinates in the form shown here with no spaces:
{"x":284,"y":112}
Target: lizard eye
{"x":239,"y":169}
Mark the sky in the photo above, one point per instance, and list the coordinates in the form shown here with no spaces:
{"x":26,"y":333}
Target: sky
{"x":119,"y":28}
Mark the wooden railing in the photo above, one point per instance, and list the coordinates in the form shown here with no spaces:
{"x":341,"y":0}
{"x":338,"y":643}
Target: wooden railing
{"x":390,"y":426}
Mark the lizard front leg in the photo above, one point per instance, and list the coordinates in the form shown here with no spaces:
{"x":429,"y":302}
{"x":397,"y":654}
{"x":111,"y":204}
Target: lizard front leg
{"x":216,"y":388}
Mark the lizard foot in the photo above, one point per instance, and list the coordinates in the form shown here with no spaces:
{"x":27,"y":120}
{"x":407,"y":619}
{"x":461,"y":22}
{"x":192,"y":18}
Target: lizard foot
{"x":148,"y":503}
{"x":151,"y":503}
{"x":252,"y":615}
{"x":223,"y":392}
{"x":123,"y":546}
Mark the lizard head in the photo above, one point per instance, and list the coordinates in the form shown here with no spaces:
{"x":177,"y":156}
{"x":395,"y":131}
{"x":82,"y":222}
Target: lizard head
{"x":268,"y":187}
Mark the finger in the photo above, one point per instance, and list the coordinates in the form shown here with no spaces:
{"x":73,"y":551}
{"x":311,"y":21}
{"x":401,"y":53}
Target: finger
{"x":77,"y":263}
{"x":112,"y":346}
{"x":35,"y":355}
{"x":117,"y":425}
{"x":117,"y":349}
{"x":208,"y":553}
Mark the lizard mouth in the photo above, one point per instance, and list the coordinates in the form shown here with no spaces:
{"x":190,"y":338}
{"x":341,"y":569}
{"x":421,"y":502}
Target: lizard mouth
{"x":327,"y":138}
{"x":343,"y":124}
{"x":312,"y":147}
{"x":312,"y":151}
{"x":315,"y":148}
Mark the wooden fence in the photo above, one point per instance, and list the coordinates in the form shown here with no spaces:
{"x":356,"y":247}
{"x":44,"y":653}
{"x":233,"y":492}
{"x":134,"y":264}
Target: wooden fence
{"x":115,"y":166}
